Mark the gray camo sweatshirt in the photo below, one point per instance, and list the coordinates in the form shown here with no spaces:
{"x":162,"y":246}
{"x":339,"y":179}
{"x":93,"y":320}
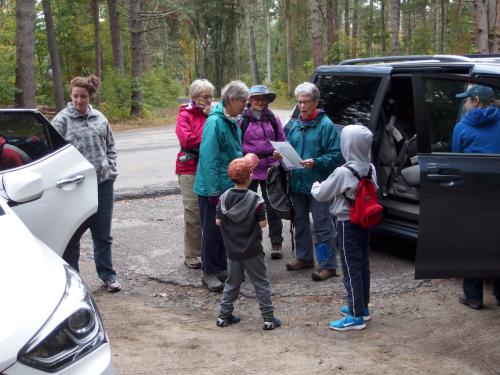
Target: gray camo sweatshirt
{"x":355,"y":145}
{"x":92,"y":136}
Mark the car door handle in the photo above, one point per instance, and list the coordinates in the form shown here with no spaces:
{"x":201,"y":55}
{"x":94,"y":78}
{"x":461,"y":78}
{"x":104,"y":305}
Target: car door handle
{"x":446,"y":180}
{"x":78,"y":179}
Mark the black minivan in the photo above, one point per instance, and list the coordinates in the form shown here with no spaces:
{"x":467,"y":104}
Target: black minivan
{"x":446,"y":201}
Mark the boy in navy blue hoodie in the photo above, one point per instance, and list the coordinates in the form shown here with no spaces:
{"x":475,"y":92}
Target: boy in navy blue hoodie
{"x":241,"y":215}
{"x":353,"y":240}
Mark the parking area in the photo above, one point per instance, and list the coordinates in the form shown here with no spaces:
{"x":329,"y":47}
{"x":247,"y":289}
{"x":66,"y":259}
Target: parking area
{"x":164,"y":320}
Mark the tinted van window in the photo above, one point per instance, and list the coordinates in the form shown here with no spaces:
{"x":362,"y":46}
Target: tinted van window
{"x":348,"y":100}
{"x":26,"y":137}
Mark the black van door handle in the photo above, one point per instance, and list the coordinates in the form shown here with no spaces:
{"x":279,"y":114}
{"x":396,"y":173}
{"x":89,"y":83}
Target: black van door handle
{"x":446,"y":179}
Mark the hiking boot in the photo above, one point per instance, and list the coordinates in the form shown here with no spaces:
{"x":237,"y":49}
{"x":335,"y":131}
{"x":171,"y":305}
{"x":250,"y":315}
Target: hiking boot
{"x":344,"y":310}
{"x":212,"y":282}
{"x":321,"y":275}
{"x":192,"y":263}
{"x":276,"y":251}
{"x":348,"y":323}
{"x":476,"y":305}
{"x":225,"y":320}
{"x":298,"y":264}
{"x":272,"y":323}
{"x":222,"y":276}
{"x":112,"y":286}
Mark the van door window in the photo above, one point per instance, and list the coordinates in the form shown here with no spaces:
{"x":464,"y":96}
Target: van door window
{"x":24,"y":138}
{"x":348,"y":100}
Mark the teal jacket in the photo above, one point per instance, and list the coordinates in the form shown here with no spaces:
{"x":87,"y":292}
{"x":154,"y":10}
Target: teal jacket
{"x":317,"y":139}
{"x":220,"y":144}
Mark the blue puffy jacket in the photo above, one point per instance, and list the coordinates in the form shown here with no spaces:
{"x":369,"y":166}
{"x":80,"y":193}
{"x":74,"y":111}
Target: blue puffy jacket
{"x":478,"y":131}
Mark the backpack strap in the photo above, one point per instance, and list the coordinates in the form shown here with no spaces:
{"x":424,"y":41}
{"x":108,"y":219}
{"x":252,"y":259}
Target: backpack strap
{"x":356,"y":174}
{"x":245,"y":121}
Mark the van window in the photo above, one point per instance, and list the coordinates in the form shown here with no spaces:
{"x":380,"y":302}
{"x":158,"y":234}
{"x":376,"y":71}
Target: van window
{"x":24,"y":138}
{"x":348,"y":99}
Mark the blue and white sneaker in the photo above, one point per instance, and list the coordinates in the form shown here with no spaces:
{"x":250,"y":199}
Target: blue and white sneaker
{"x":348,"y":323}
{"x":344,"y":310}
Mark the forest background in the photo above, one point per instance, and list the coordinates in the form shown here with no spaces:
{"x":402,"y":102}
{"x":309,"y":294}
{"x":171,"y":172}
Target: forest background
{"x":147,"y":52}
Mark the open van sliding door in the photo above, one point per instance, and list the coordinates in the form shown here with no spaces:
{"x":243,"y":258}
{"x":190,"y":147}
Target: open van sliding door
{"x":459,"y":203}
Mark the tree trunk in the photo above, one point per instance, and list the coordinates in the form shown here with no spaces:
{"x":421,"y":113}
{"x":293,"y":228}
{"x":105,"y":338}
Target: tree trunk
{"x":135,"y":50}
{"x":355,"y":8}
{"x":370,"y":28}
{"x":116,"y":43}
{"x":394,"y":27}
{"x":346,"y":18}
{"x":329,"y":21}
{"x":337,"y":20}
{"x":496,"y":32}
{"x":382,"y":27}
{"x":269,"y":57}
{"x":25,"y":54}
{"x":94,"y":10}
{"x":317,"y":38}
{"x":54,"y":56}
{"x":286,"y":12}
{"x":480,"y":14}
{"x":252,"y":52}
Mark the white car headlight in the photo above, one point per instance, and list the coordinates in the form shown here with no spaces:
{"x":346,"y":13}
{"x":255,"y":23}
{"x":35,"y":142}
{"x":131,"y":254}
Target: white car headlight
{"x":72,"y":331}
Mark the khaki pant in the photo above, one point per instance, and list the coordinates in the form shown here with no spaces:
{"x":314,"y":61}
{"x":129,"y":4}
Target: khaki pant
{"x":192,"y":224}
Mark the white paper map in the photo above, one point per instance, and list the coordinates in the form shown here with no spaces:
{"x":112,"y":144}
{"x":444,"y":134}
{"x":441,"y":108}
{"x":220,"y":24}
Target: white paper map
{"x":291,"y":160}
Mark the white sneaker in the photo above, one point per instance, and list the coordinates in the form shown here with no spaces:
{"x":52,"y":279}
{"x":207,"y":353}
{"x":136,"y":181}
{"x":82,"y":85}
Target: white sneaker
{"x":112,"y":286}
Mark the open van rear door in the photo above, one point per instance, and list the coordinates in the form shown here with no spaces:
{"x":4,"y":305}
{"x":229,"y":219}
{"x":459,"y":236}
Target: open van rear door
{"x":459,"y":221}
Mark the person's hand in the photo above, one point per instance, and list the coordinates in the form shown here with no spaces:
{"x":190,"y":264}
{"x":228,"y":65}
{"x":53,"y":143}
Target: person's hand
{"x":205,"y":108}
{"x":213,"y":200}
{"x":308,"y":163}
{"x":316,"y":184}
{"x":277,"y":155}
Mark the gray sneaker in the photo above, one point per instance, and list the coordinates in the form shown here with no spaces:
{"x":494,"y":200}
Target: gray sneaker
{"x":212,"y":282}
{"x":112,"y":286}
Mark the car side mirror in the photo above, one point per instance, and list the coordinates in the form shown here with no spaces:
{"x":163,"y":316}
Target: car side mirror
{"x":22,"y":187}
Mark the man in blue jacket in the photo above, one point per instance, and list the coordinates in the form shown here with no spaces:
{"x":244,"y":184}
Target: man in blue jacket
{"x":478,"y":132}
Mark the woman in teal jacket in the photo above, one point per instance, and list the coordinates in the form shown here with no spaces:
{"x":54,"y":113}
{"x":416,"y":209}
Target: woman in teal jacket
{"x":220,"y":144}
{"x":314,"y":137}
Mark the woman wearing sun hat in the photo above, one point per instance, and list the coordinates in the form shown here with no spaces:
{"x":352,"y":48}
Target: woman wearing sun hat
{"x":259,"y":126}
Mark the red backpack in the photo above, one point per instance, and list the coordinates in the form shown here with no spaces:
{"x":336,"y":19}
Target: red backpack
{"x":366,"y":211}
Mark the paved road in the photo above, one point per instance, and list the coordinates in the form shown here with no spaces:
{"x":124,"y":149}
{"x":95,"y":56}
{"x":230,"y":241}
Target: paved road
{"x":146,"y":160}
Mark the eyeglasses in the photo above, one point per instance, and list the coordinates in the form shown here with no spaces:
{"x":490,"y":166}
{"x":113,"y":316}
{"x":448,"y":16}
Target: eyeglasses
{"x":205,"y":97}
{"x":300,"y":102}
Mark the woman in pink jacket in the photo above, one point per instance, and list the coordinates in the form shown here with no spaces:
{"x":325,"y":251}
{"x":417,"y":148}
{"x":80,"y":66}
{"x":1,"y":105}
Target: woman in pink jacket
{"x":190,"y":122}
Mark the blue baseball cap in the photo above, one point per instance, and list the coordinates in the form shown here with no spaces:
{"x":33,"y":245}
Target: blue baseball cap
{"x":262,"y":90}
{"x":484,"y":93}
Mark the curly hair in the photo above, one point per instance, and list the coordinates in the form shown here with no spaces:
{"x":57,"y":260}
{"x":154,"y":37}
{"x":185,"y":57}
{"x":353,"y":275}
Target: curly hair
{"x":90,"y":83}
{"x":239,"y":170}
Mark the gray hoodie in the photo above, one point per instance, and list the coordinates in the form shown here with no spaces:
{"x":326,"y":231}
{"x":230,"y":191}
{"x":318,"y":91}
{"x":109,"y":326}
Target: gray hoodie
{"x":239,"y":212}
{"x":355,"y":144}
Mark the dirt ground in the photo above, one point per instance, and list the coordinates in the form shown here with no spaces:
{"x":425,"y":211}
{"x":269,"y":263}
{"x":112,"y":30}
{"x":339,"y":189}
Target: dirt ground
{"x":163,"y":323}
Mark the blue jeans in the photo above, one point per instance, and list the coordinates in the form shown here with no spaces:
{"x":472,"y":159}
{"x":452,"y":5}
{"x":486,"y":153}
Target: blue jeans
{"x":354,"y":255}
{"x":323,"y":229}
{"x":213,"y":252}
{"x":473,"y":288}
{"x":100,"y":228}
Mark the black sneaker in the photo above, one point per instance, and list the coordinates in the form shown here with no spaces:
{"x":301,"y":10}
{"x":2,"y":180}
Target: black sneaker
{"x":226,"y":320}
{"x":212,"y":282}
{"x":476,"y":305}
{"x":271,"y":324}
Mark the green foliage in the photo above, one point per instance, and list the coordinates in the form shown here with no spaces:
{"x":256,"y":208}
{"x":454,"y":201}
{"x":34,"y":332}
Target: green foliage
{"x":159,"y":91}
{"x":115,"y":95}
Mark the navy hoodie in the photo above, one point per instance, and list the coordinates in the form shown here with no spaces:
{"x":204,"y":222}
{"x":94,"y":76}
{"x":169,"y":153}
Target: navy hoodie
{"x":478,"y":131}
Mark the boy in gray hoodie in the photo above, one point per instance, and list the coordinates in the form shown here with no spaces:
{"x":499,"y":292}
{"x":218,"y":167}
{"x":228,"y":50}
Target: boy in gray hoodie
{"x":340,"y":186}
{"x":241,"y":215}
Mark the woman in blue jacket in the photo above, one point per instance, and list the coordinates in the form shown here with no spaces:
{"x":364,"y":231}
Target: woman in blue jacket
{"x":314,"y":137}
{"x":220,"y":144}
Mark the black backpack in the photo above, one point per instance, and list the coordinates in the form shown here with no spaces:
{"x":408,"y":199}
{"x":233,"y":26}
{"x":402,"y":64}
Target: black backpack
{"x":278,"y":192}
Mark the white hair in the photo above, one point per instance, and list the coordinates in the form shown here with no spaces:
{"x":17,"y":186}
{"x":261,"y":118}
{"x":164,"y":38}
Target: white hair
{"x":199,"y":86}
{"x":234,"y":90}
{"x":307,"y":88}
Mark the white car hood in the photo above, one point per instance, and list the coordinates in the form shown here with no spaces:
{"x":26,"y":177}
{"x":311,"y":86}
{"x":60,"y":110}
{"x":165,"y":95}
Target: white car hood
{"x":32,"y":282}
